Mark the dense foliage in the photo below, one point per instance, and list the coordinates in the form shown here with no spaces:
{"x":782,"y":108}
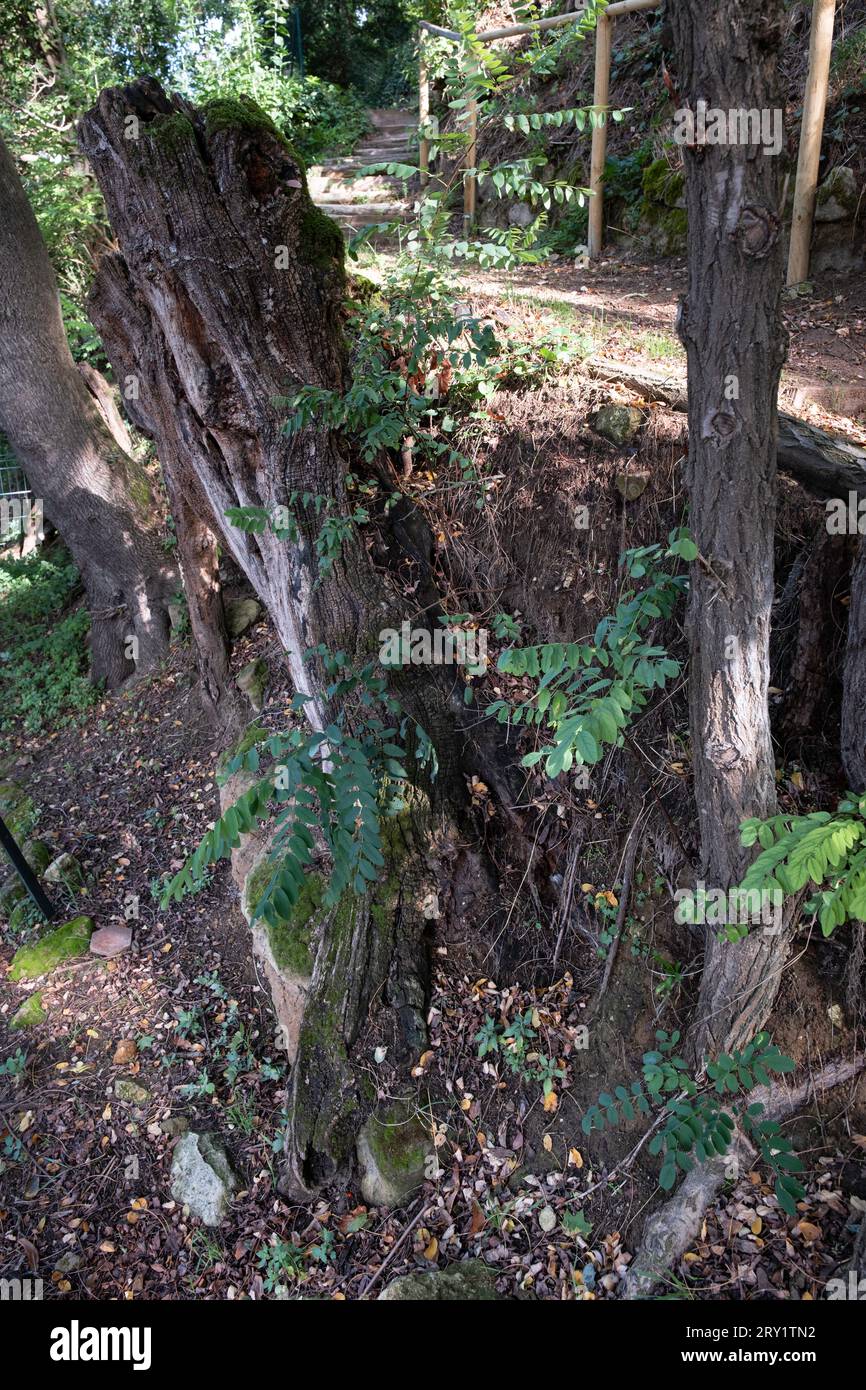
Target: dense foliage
{"x":43,"y":651}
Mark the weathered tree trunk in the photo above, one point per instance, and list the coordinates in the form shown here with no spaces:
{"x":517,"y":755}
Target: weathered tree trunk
{"x":93,"y":491}
{"x":731,"y":326}
{"x":228,"y":297}
{"x":123,"y":323}
{"x":854,"y":679}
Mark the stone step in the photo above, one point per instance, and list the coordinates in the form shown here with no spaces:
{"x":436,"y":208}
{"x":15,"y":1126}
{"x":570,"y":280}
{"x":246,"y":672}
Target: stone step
{"x":345,"y":172}
{"x":341,"y":197}
{"x":352,"y":184}
{"x":363,"y":213}
{"x":399,"y":154}
{"x":384,"y":139}
{"x":387,"y":118}
{"x":396,"y":132}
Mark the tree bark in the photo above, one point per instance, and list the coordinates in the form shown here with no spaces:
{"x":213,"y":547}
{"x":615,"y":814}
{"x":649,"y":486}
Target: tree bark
{"x":731,"y":326}
{"x":93,"y":491}
{"x":854,"y":679}
{"x":121,"y":318}
{"x":227,"y":297}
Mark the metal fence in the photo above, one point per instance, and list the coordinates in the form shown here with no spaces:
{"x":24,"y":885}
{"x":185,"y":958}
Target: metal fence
{"x":15,"y":500}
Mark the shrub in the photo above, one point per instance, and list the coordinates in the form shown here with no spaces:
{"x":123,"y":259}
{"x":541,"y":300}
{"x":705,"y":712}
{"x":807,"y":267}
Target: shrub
{"x":43,"y":651}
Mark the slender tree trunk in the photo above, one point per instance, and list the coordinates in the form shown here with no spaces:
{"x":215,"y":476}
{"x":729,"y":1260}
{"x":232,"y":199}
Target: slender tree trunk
{"x":854,"y":679}
{"x":229,"y":297}
{"x":93,"y":491}
{"x":730,"y":324}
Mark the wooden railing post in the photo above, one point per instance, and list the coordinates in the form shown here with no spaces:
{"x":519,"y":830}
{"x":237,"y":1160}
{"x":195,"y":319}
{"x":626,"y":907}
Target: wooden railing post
{"x":600,"y":96}
{"x":811,"y":130}
{"x":423,"y":112}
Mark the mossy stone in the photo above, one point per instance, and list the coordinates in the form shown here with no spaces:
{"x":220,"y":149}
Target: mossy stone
{"x":42,"y":956}
{"x":252,"y":681}
{"x":617,"y":423}
{"x":17,"y":809}
{"x":241,"y":613}
{"x":468,"y":1281}
{"x":31,"y":1013}
{"x":39,"y":855}
{"x":394,"y":1148}
{"x":130,"y":1092}
{"x":662,"y":215}
{"x":361,"y":288}
{"x":838,"y":197}
{"x":202,"y":1177}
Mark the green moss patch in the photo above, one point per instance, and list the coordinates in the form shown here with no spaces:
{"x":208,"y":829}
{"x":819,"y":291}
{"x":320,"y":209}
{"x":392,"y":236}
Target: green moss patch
{"x":291,"y":941}
{"x":662,"y":218}
{"x":321,"y":241}
{"x":252,"y":734}
{"x":64,"y":943}
{"x":17,"y":808}
{"x":394,"y":1147}
{"x":662,"y":184}
{"x":31,"y":1013}
{"x":242,"y":113}
{"x":171,"y":132}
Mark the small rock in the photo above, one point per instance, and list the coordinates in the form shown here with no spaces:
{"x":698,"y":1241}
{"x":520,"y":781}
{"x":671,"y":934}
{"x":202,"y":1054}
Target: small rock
{"x":470,"y":1280}
{"x":521,"y":215}
{"x":68,"y":1262}
{"x":125,"y":1052}
{"x":174,"y":1126}
{"x":631,"y":485}
{"x":41,"y":957}
{"x":547,"y":1219}
{"x":110,"y":941}
{"x":202,"y":1177}
{"x":838,"y":196}
{"x":617,"y":423}
{"x":130,"y":1092}
{"x":393,"y":1147}
{"x":252,"y":681}
{"x":241,"y":613}
{"x":39,"y":855}
{"x":178,"y":617}
{"x":67,"y":870}
{"x":31,"y":1013}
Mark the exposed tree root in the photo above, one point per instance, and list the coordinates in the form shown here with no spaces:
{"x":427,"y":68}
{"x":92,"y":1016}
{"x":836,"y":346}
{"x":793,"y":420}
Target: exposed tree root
{"x":675,"y":1225}
{"x":824,"y":465}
